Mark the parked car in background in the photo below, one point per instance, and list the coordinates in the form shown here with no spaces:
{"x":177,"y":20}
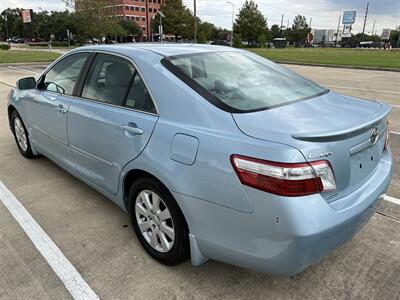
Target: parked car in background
{"x":214,"y":152}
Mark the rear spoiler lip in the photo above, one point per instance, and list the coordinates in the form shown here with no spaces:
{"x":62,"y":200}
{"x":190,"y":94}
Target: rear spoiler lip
{"x":344,"y":133}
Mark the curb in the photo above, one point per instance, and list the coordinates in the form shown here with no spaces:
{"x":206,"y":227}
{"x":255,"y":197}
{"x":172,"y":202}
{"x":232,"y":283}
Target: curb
{"x":27,"y":63}
{"x":338,"y":66}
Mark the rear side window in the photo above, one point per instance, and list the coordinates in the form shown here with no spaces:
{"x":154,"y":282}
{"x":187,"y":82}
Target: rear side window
{"x":109,"y":79}
{"x":139,"y":97}
{"x":64,"y":75}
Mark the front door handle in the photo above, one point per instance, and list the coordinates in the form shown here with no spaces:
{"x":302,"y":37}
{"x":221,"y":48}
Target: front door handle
{"x":132,"y":129}
{"x":61,"y":109}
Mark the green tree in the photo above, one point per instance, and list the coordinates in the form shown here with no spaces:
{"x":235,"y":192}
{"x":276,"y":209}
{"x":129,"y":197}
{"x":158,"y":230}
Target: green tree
{"x":394,"y":37}
{"x":131,"y":27}
{"x":275,"y":31}
{"x":178,"y":20}
{"x":299,"y":30}
{"x":237,"y":41}
{"x":205,"y":32}
{"x":250,"y":22}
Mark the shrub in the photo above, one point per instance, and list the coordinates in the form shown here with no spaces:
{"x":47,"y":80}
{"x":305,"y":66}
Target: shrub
{"x":4,"y":47}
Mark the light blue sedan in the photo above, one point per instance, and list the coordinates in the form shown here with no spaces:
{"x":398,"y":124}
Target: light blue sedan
{"x":214,"y":152}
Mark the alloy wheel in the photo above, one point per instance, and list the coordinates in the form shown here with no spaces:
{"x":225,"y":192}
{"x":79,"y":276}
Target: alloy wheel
{"x":154,"y":220}
{"x":20,"y":134}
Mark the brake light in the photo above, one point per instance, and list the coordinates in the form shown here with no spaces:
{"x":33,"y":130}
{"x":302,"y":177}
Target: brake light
{"x":285,"y":179}
{"x":387,"y":133}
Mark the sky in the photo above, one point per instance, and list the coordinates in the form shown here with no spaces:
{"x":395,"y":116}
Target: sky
{"x":324,"y":13}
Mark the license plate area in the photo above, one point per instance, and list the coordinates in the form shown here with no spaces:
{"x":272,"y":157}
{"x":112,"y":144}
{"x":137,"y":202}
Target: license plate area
{"x":363,"y":163}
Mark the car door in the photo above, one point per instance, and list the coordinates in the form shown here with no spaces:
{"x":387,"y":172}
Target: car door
{"x":47,"y":109}
{"x":111,"y":122}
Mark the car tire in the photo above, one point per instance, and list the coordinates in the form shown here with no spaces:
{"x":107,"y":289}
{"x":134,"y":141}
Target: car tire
{"x":21,"y":135}
{"x":152,"y":223}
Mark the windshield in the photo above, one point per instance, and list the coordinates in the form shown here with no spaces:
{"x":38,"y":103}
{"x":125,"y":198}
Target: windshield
{"x":241,"y":82}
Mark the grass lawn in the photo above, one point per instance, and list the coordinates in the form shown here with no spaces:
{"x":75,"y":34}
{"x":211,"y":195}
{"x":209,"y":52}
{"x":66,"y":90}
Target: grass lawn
{"x":329,"y":56}
{"x":16,"y":56}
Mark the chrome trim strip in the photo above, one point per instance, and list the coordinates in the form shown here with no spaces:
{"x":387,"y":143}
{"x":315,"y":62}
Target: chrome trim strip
{"x":87,"y":154}
{"x":50,"y":136}
{"x":366,"y":144}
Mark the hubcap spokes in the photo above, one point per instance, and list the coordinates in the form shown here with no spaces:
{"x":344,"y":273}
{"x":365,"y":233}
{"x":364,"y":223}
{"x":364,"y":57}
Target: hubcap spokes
{"x":20,"y":134}
{"x":154,"y":221}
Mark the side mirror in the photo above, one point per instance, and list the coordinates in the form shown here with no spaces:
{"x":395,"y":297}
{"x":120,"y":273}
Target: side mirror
{"x":27,"y":83}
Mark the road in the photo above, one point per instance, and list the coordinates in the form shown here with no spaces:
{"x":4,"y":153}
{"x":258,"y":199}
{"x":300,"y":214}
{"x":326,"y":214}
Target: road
{"x":96,"y":238}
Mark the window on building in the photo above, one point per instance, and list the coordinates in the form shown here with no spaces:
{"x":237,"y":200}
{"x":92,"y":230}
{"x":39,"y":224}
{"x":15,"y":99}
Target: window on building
{"x":143,"y":9}
{"x":143,"y":19}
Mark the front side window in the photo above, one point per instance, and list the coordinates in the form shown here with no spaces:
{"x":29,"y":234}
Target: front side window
{"x":241,"y":82}
{"x":63,"y":76}
{"x":109,"y":79}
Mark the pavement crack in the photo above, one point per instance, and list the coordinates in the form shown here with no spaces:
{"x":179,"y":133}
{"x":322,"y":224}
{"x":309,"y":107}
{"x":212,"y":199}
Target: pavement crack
{"x":396,"y":219}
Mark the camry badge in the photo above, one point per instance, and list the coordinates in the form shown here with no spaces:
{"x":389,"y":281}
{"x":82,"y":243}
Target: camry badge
{"x":318,"y":155}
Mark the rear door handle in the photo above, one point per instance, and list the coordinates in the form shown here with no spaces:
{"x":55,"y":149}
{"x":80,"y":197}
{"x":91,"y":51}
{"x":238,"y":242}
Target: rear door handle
{"x":61,"y":109}
{"x":132,"y":129}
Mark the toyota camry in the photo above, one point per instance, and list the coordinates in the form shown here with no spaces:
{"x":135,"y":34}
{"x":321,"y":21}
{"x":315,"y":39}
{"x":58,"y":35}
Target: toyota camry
{"x":215,"y":153}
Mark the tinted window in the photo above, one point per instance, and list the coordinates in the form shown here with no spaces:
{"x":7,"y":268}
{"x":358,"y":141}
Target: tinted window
{"x":109,"y":79}
{"x":64,"y":75}
{"x":241,"y":81}
{"x":138,"y":97}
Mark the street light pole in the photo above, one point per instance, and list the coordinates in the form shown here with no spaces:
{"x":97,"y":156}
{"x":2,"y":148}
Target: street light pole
{"x":160,"y":28}
{"x":195,"y":21}
{"x":337,"y":31}
{"x":233,"y":20}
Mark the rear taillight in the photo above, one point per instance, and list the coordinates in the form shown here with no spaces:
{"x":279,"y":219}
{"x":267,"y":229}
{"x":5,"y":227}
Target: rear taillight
{"x":387,"y":133}
{"x":285,"y":179}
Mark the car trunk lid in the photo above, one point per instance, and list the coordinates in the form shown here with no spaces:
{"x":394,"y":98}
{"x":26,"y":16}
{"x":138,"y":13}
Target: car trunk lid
{"x":334,"y":127}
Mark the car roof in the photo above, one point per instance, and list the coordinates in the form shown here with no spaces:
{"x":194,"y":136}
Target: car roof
{"x":164,"y":49}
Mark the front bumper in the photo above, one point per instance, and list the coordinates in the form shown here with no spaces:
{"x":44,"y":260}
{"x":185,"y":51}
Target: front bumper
{"x":282,"y":236}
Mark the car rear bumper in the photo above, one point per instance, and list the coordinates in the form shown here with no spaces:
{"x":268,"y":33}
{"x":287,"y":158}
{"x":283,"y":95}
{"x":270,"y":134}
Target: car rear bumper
{"x":282,"y":236}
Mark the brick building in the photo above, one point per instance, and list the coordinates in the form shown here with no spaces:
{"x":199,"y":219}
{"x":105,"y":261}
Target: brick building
{"x":141,"y":11}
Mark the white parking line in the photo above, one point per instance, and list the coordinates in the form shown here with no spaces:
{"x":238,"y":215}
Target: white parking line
{"x":396,"y":106}
{"x":391,"y":199}
{"x":362,"y":89}
{"x":395,"y":132}
{"x":23,"y":70}
{"x":73,"y":281}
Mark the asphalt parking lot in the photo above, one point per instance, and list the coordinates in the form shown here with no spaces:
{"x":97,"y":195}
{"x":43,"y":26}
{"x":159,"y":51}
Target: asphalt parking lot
{"x":96,"y":237}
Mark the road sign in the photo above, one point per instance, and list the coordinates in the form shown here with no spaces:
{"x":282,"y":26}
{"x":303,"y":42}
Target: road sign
{"x":26,"y":16}
{"x":349,"y":17}
{"x":385,"y":34}
{"x":346,"y":31}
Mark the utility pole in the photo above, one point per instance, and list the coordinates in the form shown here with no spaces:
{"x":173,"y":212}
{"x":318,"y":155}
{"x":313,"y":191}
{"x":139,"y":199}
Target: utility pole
{"x":310,"y":22}
{"x":282,"y":22}
{"x":287,"y":27}
{"x":373,"y":28}
{"x":365,"y":18}
{"x":233,"y":20}
{"x":8,"y":38}
{"x":337,"y":31}
{"x":195,"y":22}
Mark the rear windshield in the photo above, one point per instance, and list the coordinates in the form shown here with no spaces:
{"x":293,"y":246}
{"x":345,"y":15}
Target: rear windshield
{"x":240,"y":81}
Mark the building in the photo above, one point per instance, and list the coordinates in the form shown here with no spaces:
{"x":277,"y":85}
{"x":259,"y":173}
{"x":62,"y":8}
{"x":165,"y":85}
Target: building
{"x":141,"y":11}
{"x":324,"y":36}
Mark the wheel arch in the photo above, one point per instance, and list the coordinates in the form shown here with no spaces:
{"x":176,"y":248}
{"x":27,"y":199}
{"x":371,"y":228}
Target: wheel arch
{"x":11,"y":108}
{"x":133,"y":175}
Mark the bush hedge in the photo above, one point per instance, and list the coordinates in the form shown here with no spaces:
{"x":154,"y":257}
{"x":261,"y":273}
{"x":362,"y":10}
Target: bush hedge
{"x":4,"y":47}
